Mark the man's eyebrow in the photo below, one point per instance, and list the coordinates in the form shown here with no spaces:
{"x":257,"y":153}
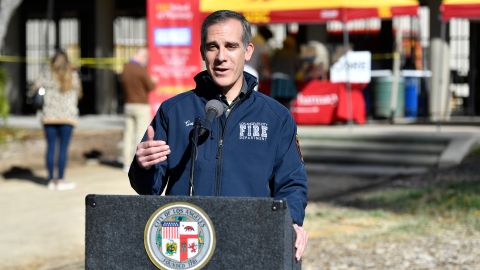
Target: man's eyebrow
{"x":210,"y":43}
{"x":232,"y":43}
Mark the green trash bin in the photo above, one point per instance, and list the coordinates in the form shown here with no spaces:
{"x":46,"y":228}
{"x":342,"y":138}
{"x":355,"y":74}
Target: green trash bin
{"x":382,"y":92}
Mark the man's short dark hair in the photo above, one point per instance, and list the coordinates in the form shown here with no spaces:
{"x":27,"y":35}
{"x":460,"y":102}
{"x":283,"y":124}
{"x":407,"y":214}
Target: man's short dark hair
{"x":221,"y":16}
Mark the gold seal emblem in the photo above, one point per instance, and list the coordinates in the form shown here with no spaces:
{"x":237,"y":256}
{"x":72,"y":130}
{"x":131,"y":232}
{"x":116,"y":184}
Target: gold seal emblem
{"x":179,"y":235}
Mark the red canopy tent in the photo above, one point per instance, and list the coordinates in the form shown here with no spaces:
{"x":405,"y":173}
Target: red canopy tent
{"x":312,"y":11}
{"x":464,"y":9}
{"x":469,"y":9}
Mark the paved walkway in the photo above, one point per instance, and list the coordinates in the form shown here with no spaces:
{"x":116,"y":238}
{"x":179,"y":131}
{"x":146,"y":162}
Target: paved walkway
{"x":43,"y":229}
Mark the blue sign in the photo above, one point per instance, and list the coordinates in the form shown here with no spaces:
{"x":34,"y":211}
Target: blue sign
{"x":172,"y":36}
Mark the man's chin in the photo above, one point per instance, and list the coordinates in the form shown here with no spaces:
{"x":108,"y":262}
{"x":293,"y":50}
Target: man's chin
{"x":223,"y":84}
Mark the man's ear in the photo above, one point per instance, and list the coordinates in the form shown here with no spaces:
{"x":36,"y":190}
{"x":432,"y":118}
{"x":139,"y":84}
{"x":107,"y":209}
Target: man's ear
{"x":249,"y":51}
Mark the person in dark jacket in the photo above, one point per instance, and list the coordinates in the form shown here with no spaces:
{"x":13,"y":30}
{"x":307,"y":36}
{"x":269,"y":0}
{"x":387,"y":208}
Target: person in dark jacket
{"x":251,"y":149}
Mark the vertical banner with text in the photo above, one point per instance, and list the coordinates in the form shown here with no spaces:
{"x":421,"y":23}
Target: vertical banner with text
{"x":174,"y":46}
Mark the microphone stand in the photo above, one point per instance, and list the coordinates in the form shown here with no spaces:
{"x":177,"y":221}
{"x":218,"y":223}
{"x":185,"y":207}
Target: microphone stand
{"x":197,"y":125}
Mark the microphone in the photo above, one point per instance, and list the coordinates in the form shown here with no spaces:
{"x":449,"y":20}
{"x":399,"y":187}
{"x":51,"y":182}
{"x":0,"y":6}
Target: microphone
{"x":213,"y":109}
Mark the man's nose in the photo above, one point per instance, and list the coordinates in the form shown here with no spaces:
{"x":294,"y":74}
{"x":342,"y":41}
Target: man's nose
{"x":221,"y":54}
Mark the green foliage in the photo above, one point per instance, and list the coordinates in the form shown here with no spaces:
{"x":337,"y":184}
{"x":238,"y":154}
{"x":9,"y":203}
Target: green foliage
{"x":4,"y":105}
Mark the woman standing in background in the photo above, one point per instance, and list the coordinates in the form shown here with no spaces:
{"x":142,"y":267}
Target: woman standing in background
{"x":59,"y":116}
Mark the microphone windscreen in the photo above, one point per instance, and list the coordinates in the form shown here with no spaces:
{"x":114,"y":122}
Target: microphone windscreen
{"x":215,"y":105}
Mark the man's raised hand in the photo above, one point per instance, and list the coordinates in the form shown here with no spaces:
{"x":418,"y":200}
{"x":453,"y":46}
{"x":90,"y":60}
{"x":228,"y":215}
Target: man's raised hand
{"x":151,"y":152}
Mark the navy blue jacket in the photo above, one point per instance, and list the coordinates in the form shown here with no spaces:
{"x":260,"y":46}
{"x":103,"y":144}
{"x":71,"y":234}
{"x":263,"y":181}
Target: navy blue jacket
{"x":251,"y":153}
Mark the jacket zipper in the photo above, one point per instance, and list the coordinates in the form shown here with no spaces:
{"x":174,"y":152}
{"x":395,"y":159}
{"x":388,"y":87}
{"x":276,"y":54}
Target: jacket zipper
{"x":220,"y":150}
{"x":219,"y":166}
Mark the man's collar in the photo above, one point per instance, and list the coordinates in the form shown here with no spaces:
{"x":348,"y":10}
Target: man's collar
{"x":208,"y":89}
{"x":244,"y":89}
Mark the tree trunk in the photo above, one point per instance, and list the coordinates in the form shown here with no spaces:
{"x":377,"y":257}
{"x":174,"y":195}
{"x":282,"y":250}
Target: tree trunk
{"x":7,"y":7}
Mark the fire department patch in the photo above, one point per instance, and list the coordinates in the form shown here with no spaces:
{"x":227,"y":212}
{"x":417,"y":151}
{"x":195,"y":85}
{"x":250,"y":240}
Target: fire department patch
{"x":179,"y":235}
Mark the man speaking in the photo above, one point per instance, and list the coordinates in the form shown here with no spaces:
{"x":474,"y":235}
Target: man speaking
{"x":249,"y":150}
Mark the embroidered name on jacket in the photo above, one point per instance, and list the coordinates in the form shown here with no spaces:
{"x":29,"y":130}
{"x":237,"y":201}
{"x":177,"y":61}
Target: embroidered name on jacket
{"x":253,"y":131}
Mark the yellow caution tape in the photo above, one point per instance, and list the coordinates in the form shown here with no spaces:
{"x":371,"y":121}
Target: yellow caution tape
{"x":106,"y":62}
{"x":116,"y":62}
{"x":382,"y":56}
{"x":18,"y":59}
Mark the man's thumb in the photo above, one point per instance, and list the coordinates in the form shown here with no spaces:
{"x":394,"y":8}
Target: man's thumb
{"x":150,"y":133}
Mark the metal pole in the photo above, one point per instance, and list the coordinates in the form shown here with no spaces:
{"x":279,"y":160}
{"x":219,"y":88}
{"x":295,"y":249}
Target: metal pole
{"x":346,"y":44}
{"x":441,"y":81}
{"x":396,"y":75}
{"x":49,"y":17}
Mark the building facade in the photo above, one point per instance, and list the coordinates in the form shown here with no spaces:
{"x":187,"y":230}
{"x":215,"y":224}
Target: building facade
{"x":99,"y":36}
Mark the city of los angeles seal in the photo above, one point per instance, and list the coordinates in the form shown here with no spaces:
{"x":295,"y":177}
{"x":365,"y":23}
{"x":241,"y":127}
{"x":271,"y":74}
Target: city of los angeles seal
{"x":179,"y":235}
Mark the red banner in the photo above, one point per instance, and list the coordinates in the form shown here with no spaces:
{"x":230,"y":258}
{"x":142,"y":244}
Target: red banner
{"x":324,"y":103}
{"x":174,"y":46}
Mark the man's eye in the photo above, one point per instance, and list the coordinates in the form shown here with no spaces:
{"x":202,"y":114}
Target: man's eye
{"x":211,"y":47}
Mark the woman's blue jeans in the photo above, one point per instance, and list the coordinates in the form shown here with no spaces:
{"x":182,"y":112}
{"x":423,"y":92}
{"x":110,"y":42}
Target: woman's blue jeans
{"x":58,"y":138}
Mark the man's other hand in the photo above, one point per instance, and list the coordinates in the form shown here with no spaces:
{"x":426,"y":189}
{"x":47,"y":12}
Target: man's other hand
{"x":151,"y":152}
{"x":301,"y":241}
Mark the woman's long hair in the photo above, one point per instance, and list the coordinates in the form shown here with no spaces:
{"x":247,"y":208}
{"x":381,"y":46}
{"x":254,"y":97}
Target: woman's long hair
{"x":61,"y":70}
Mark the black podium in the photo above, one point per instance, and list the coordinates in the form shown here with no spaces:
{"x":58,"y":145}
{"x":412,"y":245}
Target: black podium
{"x":130,"y":232}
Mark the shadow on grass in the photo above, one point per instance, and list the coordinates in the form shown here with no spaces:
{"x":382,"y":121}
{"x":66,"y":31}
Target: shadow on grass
{"x":24,"y":174}
{"x":437,"y":199}
{"x":450,"y":192}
